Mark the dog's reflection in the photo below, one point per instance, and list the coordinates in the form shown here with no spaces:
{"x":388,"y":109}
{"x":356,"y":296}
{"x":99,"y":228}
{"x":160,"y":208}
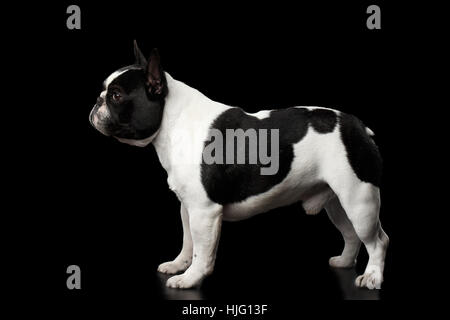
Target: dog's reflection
{"x":346,"y":280}
{"x":178,"y":294}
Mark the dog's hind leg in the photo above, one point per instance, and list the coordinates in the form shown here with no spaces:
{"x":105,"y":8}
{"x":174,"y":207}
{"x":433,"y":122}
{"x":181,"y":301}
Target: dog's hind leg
{"x":337,"y":215}
{"x":361,"y":202}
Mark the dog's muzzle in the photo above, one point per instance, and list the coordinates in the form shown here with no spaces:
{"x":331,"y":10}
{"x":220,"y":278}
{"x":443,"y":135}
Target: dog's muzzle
{"x":99,"y":116}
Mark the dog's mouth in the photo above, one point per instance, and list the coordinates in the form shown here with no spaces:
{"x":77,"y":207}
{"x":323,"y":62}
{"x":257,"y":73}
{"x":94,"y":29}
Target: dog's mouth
{"x":98,"y":124}
{"x":103,"y":131}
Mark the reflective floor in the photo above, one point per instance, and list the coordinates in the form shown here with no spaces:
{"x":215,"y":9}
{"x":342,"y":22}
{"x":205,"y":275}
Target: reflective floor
{"x":345,"y":279}
{"x":178,"y":294}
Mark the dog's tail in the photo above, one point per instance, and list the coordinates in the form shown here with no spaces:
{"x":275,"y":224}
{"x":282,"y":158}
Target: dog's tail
{"x":369,"y":132}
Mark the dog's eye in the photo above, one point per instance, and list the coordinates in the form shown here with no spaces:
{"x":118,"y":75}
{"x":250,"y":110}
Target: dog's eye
{"x":116,"y":96}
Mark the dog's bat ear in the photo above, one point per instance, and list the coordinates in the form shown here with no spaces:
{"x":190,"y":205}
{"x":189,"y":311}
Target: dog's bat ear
{"x":140,"y":58}
{"x":155,"y":73}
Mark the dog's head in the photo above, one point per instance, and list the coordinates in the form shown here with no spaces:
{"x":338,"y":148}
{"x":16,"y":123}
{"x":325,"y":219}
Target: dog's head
{"x":131,"y":105}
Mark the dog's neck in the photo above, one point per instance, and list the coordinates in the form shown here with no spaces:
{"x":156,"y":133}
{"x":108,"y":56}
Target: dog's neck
{"x":184,"y":107}
{"x":179,"y":100}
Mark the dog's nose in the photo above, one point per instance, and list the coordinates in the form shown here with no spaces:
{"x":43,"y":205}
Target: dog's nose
{"x":100,"y":101}
{"x":91,"y":117}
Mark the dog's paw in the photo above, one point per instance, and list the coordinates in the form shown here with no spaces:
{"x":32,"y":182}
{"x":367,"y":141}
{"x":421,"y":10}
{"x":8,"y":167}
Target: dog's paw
{"x":341,"y":262}
{"x":371,"y":279}
{"x":172,"y":267}
{"x":183,"y":281}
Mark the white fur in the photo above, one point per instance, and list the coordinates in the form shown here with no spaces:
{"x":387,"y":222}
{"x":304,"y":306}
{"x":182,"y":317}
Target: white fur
{"x":115,"y":74}
{"x":320,"y":176}
{"x":260,"y":114}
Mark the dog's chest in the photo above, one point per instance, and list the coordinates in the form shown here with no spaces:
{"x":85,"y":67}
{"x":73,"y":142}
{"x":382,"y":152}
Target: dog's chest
{"x":179,"y":146}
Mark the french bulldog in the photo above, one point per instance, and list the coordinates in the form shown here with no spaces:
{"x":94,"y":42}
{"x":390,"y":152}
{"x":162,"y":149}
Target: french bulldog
{"x":325,"y":159}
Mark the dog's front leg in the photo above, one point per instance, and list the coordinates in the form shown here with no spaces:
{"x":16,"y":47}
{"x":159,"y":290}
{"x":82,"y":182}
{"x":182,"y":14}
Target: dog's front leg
{"x":184,"y":258}
{"x":205,"y":224}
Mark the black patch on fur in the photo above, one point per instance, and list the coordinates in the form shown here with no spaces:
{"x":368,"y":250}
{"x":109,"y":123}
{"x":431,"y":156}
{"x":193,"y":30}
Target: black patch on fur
{"x":362,"y":152}
{"x":322,"y":120}
{"x":228,"y":183}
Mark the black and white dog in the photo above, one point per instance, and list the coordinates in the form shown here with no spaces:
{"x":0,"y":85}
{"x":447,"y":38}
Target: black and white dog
{"x":327,"y":159}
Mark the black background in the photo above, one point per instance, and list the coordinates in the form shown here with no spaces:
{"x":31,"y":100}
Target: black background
{"x":106,"y":206}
